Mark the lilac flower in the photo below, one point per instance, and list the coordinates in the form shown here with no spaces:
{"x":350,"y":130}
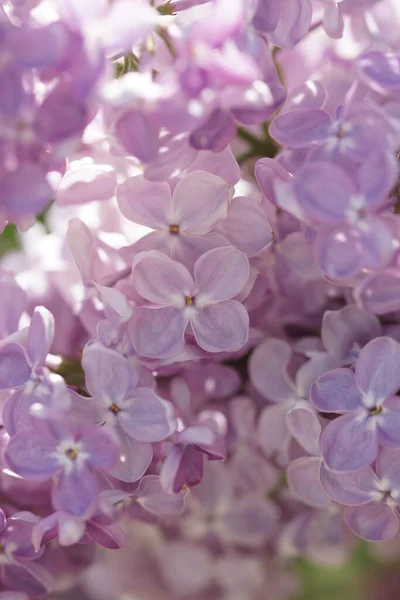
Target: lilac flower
{"x":366,"y":397}
{"x":183,"y":220}
{"x":268,"y":370}
{"x":176,"y":299}
{"x":371,"y":498}
{"x":139,"y":416}
{"x":350,"y":235}
{"x":72,"y":455}
{"x":23,"y":369}
{"x":356,"y":134}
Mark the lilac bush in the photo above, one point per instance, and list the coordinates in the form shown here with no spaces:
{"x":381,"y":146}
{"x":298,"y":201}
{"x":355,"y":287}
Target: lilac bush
{"x":199,"y":293}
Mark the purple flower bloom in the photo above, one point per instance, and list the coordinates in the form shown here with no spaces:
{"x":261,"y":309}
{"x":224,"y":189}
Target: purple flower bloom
{"x":371,"y":499}
{"x":138,"y":414}
{"x":176,"y":299}
{"x":72,"y":455}
{"x":366,"y":397}
{"x":183,"y":220}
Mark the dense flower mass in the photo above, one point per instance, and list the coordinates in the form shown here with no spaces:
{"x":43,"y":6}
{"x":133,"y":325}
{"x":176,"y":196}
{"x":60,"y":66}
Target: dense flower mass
{"x":199,"y":293}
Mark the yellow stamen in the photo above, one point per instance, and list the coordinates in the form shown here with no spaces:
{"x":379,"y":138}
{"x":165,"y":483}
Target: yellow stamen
{"x":114,"y":408}
{"x":72,"y":453}
{"x":189,"y":300}
{"x":174,"y":229}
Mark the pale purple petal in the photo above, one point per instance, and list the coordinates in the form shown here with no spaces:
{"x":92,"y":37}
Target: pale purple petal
{"x":339,"y":253}
{"x":336,"y":391}
{"x":223,"y":164}
{"x":138,"y":135}
{"x":152,"y":496}
{"x":102,"y":446}
{"x":380,"y":292}
{"x":374,"y":522}
{"x":86,"y":183}
{"x":199,"y":201}
{"x":147,"y":417}
{"x":293,"y":24}
{"x":221,"y":327}
{"x":135,"y":458}
{"x":381,"y":70}
{"x":109,"y":536}
{"x":272,"y":433}
{"x":16,"y":414}
{"x":377,"y":368}
{"x":333,"y":20}
{"x":128,"y":23}
{"x":268,"y":370}
{"x":220,"y":274}
{"x":300,"y":127}
{"x":160,"y":279}
{"x":303,"y":481}
{"x":145,"y":202}
{"x":267,"y":15}
{"x":25,"y":191}
{"x":323,"y":191}
{"x":304,"y":426}
{"x":350,"y":489}
{"x":246,"y":226}
{"x":40,"y":335}
{"x":388,"y":466}
{"x":14,"y":369}
{"x":159,"y":332}
{"x":108,"y":375}
{"x":267,"y":172}
{"x":31,"y":455}
{"x":75,"y":492}
{"x":388,"y":426}
{"x":13,"y":303}
{"x":348,"y":444}
{"x":348,"y":327}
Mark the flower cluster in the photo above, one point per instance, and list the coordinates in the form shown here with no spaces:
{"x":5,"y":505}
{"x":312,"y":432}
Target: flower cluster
{"x":200,"y":311}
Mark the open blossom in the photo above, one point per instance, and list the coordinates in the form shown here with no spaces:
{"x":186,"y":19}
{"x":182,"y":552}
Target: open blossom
{"x":368,"y":404}
{"x":175,"y":299}
{"x":183,"y":221}
{"x":73,"y":455}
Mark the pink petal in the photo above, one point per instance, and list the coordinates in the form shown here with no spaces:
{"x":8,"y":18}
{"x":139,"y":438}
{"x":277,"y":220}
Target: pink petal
{"x":350,"y":489}
{"x":374,"y":522}
{"x":145,"y":202}
{"x":377,"y":368}
{"x":348,"y":444}
{"x":268,"y":370}
{"x":221,"y":327}
{"x":220,"y":274}
{"x":135,"y":458}
{"x":158,"y":332}
{"x":246,"y":226}
{"x":147,"y":418}
{"x":160,"y":279}
{"x":199,"y":201}
{"x":303,"y":481}
{"x":86,"y":183}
